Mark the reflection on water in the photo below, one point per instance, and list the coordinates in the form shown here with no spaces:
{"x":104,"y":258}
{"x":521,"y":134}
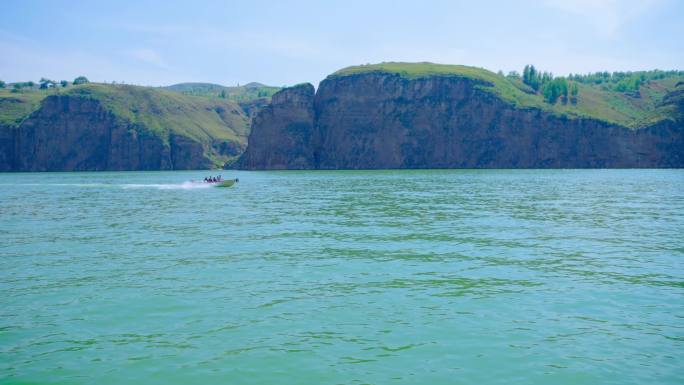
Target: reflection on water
{"x":440,"y":277}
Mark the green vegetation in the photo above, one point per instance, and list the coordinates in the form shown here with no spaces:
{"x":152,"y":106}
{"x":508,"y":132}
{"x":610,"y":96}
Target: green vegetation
{"x":245,"y":93}
{"x":514,"y":92}
{"x":2,"y":84}
{"x":203,"y":110}
{"x":163,"y":112}
{"x":534,"y":78}
{"x":574,"y":91}
{"x":625,"y":81}
{"x":602,"y":101}
{"x":16,"y":87}
{"x":146,"y":109}
{"x":15,"y":106}
{"x":81,"y":80}
{"x":552,"y":89}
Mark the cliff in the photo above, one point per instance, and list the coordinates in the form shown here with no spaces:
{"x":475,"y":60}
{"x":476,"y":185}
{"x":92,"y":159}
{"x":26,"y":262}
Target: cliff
{"x":105,"y":127}
{"x":465,"y":118}
{"x":285,"y":139}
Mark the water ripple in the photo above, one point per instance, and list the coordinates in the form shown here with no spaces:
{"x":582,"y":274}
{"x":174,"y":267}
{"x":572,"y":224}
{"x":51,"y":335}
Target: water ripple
{"x":440,"y":277}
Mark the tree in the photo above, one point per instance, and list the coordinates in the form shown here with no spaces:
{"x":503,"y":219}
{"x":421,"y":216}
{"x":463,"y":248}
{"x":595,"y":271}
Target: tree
{"x":550,"y":93}
{"x":573,"y":93}
{"x":80,"y":80}
{"x":554,"y":89}
{"x":532,"y":77}
{"x":2,"y":84}
{"x":563,"y":88}
{"x":222,"y":94}
{"x":513,"y":75}
{"x":31,"y":83}
{"x":64,"y":83}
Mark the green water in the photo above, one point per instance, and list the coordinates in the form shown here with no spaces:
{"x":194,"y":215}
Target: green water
{"x":390,"y":277}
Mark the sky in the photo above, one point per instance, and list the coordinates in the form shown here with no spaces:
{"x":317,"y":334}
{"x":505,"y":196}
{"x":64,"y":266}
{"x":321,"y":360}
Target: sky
{"x":287,"y":42}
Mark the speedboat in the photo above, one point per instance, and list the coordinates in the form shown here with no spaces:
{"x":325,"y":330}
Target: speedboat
{"x":223,"y":183}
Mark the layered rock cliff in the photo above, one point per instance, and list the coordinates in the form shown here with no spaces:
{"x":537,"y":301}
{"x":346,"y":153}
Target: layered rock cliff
{"x":286,"y":136}
{"x":137,"y":130}
{"x":385,"y":120}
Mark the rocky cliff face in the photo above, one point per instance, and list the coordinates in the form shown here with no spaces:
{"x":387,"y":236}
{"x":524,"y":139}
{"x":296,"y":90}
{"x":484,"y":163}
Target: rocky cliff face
{"x":70,"y":133}
{"x":286,"y":136}
{"x":378,"y":120}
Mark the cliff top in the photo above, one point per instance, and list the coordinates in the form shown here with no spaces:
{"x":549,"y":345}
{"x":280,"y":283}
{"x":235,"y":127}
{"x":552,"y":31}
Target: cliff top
{"x":421,"y":70}
{"x":633,"y":109}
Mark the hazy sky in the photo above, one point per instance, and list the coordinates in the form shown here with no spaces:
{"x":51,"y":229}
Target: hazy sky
{"x":287,"y":42}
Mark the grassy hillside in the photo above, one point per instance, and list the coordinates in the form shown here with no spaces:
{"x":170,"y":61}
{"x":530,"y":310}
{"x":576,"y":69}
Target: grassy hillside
{"x":162,"y":112}
{"x":245,"y":93}
{"x":596,"y":101}
{"x":14,"y":107}
{"x":155,"y":109}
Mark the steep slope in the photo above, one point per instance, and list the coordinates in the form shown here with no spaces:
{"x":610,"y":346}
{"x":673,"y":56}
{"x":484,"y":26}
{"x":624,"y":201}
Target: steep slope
{"x":251,"y":97}
{"x":285,"y":140}
{"x":108,"y":127}
{"x":399,"y":115}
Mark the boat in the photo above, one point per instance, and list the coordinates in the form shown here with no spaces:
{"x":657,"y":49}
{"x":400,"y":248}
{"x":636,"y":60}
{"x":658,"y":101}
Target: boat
{"x":225,"y":183}
{"x":218,"y":182}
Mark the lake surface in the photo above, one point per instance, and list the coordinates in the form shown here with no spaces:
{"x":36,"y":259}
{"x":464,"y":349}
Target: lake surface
{"x":342,"y":277}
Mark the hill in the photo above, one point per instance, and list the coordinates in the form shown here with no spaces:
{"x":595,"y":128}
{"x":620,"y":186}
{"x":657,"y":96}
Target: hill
{"x":425,"y":115}
{"x":241,"y":94}
{"x":103,"y":126}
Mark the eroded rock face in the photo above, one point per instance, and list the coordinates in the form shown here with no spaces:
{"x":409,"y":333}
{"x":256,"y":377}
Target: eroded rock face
{"x":286,"y":136}
{"x":378,"y":120}
{"x":7,"y":148}
{"x":77,"y":134}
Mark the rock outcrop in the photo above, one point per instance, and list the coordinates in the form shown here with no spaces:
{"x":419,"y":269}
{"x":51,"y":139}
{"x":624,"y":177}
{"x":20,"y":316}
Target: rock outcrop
{"x":286,"y":136}
{"x":380,"y":120}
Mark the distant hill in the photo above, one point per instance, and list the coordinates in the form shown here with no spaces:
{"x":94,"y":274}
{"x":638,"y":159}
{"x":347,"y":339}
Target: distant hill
{"x":197,"y":89}
{"x":256,"y":85}
{"x":246,"y":93}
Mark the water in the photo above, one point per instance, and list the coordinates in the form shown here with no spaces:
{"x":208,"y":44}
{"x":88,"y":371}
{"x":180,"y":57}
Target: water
{"x":379,"y":277}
